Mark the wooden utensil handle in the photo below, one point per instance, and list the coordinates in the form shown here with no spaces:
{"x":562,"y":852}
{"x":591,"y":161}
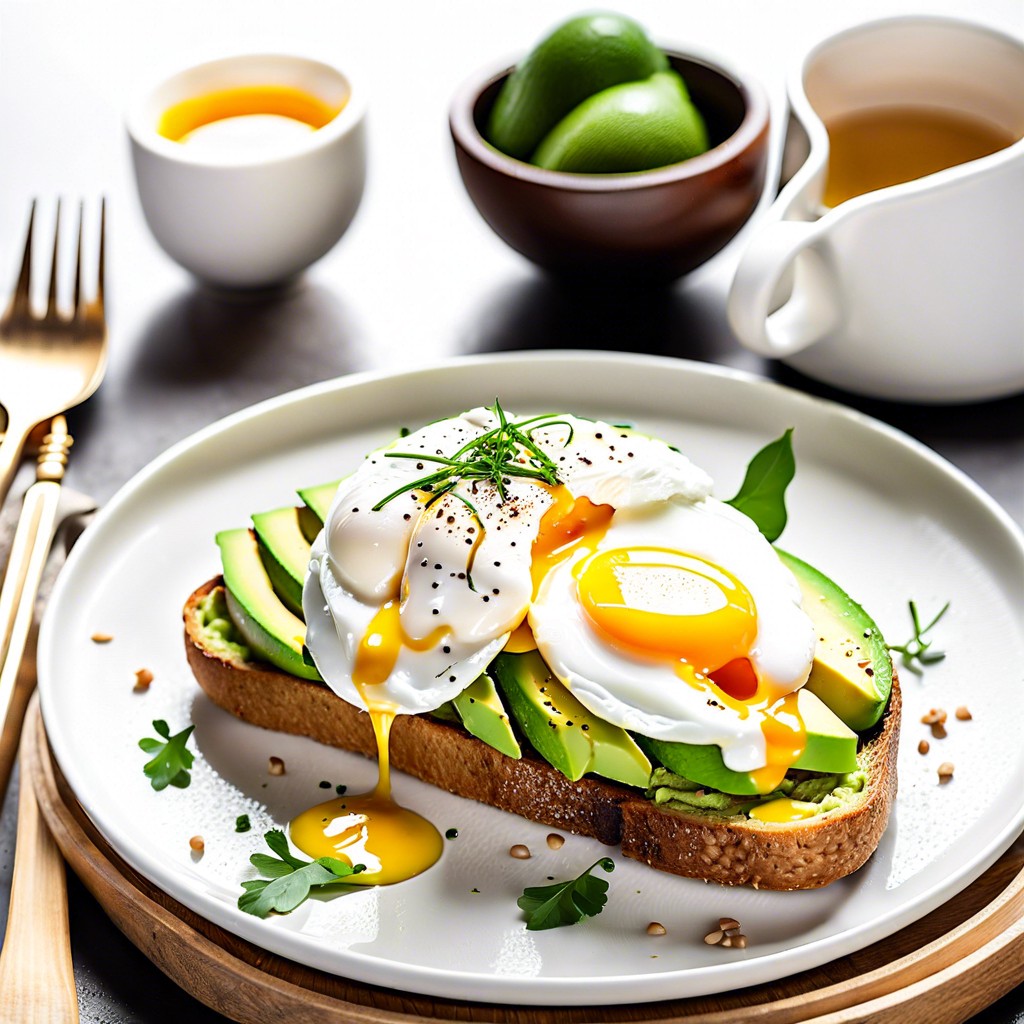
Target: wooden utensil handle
{"x":37,"y":980}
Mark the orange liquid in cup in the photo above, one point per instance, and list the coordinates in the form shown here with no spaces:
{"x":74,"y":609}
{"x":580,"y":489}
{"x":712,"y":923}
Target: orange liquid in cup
{"x":180,"y":120}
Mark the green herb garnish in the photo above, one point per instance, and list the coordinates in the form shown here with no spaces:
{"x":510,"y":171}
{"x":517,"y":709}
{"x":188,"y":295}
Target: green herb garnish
{"x":917,"y":648}
{"x":290,"y":879}
{"x":502,"y":453}
{"x":242,"y":823}
{"x":171,"y":762}
{"x":551,"y":906}
{"x":762,"y":495}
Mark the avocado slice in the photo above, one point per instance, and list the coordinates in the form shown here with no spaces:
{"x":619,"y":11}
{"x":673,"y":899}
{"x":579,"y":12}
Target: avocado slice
{"x":267,"y":626}
{"x":318,"y":500}
{"x":285,"y":552}
{"x":484,"y":715}
{"x":831,"y":748}
{"x":831,"y":745}
{"x":309,"y":523}
{"x":852,"y":671}
{"x":561,"y":729}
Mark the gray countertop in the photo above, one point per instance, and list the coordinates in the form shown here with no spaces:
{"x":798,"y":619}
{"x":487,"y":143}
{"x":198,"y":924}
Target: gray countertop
{"x":418,"y":278}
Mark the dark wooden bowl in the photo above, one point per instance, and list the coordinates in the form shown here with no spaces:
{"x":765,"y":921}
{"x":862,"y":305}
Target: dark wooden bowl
{"x":651,"y":226}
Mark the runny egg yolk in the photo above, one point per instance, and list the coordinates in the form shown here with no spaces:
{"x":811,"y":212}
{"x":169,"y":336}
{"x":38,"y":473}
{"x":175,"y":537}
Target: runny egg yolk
{"x":567,"y":526}
{"x":382,"y":643}
{"x":390,"y":841}
{"x":668,"y":604}
{"x":695,"y":615}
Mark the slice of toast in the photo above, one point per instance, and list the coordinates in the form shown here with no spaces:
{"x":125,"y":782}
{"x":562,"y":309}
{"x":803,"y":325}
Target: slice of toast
{"x":730,"y":849}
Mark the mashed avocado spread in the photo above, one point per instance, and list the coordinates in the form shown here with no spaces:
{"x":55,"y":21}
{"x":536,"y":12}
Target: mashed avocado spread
{"x":219,"y":632}
{"x":827,"y":792}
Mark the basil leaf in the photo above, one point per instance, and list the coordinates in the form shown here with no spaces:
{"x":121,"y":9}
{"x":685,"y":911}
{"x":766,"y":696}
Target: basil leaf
{"x":763,"y":491}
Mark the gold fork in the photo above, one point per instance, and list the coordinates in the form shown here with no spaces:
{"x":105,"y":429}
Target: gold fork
{"x":48,"y":363}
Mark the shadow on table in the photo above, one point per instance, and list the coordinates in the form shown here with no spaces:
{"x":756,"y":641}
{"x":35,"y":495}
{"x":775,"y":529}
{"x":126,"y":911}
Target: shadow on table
{"x":543,"y":312}
{"x":219,"y":340}
{"x":205,"y":354}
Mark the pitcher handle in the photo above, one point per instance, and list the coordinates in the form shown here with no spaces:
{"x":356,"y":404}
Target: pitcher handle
{"x":812,"y":309}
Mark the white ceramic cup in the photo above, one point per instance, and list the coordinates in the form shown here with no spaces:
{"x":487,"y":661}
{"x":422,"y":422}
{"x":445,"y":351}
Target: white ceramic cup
{"x":913,"y":292}
{"x":253,"y":220}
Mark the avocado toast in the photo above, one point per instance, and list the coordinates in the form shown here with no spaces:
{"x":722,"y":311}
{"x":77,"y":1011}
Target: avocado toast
{"x":518,"y":739}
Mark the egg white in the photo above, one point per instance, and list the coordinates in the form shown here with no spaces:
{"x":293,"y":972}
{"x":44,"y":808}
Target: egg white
{"x":646,"y":695}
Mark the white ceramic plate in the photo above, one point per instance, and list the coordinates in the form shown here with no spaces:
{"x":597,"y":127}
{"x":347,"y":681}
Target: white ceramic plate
{"x":878,"y":512}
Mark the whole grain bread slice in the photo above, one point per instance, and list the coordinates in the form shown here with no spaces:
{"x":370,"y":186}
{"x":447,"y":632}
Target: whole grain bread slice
{"x":733,"y":850}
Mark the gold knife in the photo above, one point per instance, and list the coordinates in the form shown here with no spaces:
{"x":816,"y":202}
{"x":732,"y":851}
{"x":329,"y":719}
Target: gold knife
{"x":29,"y":551}
{"x":36,"y":974}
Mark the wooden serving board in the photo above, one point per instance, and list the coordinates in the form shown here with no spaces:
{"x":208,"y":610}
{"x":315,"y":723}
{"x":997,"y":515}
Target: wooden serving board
{"x":940,"y":970}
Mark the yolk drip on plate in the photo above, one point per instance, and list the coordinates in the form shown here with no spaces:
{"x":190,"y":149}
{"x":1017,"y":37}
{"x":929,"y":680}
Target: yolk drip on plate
{"x":390,"y":841}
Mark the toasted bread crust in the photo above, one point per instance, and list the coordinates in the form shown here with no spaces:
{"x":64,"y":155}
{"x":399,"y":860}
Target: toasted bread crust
{"x":732,"y":851}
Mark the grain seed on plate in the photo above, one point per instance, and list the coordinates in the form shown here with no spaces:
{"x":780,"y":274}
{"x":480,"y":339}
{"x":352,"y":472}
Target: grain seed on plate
{"x":714,"y":938}
{"x":519,"y":851}
{"x":143,"y":677}
{"x":101,"y":638}
{"x":555,"y":841}
{"x":923,"y":747}
{"x":656,"y":928}
{"x":197,"y":844}
{"x":963,"y":713}
{"x":945,"y":771}
{"x":728,"y":924}
{"x":275,"y":766}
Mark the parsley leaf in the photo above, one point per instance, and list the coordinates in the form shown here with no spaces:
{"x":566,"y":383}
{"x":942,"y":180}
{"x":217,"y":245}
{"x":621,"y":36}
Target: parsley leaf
{"x":171,"y":762}
{"x":762,"y":495}
{"x":551,"y":906}
{"x":290,"y":879}
{"x":917,"y":648}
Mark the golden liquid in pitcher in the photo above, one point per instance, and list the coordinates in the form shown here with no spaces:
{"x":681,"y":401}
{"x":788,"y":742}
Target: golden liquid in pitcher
{"x":882,"y":146}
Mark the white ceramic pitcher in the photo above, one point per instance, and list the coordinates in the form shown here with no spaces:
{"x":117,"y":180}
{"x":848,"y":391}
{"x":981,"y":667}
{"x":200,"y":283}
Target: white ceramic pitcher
{"x":912,"y":292}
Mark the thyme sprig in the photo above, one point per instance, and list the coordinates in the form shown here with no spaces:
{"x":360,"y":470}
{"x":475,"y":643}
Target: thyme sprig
{"x":917,"y":648}
{"x":506,"y":451}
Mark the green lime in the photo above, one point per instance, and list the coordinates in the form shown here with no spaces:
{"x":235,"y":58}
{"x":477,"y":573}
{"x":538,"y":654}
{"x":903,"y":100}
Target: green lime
{"x":579,"y":58}
{"x":632,"y":127}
